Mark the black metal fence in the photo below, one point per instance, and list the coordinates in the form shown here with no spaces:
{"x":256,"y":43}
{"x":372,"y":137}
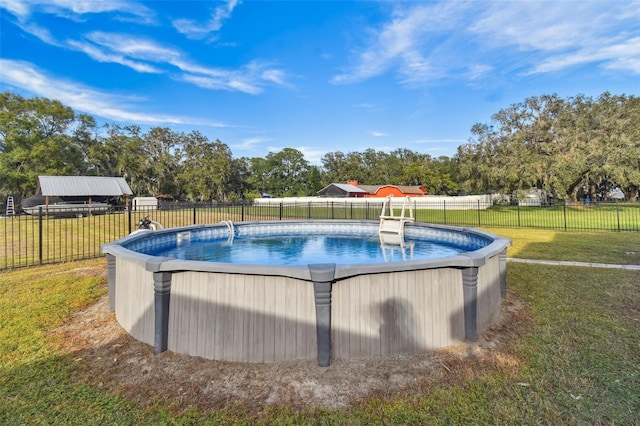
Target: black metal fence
{"x":27,"y":240}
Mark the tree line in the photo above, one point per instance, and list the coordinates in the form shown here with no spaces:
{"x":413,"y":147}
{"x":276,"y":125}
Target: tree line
{"x":561,"y":145}
{"x":569,"y":147}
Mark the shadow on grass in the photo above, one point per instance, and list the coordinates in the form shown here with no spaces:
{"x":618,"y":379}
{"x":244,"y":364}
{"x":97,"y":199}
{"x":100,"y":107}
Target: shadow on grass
{"x":596,"y":247}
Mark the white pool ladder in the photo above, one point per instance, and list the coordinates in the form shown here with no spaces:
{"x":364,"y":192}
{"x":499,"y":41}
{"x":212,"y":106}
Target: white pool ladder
{"x":392,"y":224}
{"x":391,"y":229}
{"x":231,"y":230}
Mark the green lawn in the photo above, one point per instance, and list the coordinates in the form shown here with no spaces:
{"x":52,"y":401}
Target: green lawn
{"x":575,"y":359}
{"x":26,"y":241}
{"x":596,"y":247}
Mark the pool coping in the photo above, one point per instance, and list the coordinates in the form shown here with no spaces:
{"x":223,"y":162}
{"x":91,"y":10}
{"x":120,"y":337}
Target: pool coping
{"x":303,"y":272}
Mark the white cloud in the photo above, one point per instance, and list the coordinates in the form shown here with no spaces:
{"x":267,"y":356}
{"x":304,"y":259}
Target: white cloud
{"x":378,"y":134}
{"x":196,"y":30}
{"x":463,"y":40}
{"x":26,"y":76}
{"x":227,"y":82}
{"x":400,"y":43}
{"x":39,"y":32}
{"x":81,"y":7}
{"x":478,"y":71}
{"x":102,"y":56}
{"x":440,"y":141}
{"x":250,"y":143}
{"x":74,"y":9}
{"x":147,"y":56}
{"x":142,"y":54}
{"x":250,"y":78}
{"x":312,"y":155}
{"x":135,"y":47}
{"x":19,"y":8}
{"x":561,"y":35}
{"x":275,"y":76}
{"x":624,"y":56}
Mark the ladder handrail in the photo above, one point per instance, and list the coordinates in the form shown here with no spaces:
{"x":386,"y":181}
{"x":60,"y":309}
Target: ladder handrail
{"x":396,"y":225}
{"x":229,"y":225}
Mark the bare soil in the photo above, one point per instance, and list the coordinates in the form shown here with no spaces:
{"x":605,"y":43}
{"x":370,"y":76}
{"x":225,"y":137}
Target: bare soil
{"x":106,"y":356}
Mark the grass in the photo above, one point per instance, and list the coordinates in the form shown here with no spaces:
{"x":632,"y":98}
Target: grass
{"x":576,"y":359}
{"x":596,"y":247}
{"x":25,"y":241}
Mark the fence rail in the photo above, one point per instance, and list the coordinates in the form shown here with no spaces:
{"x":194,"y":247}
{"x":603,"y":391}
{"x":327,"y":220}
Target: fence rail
{"x":41,"y":239}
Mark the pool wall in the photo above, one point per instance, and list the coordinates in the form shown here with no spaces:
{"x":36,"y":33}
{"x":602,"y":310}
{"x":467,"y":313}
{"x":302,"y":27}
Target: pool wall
{"x":252,"y":313}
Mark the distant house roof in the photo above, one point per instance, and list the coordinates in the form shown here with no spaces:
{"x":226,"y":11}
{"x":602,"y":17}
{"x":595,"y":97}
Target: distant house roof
{"x":405,"y":189}
{"x":353,"y":189}
{"x":341,"y":190}
{"x":83,"y":186}
{"x":348,"y":188}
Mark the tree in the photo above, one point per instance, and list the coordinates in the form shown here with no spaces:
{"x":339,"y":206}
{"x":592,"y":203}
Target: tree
{"x":337,"y":168}
{"x":238,"y":186}
{"x":35,"y":140}
{"x":285,"y":174}
{"x":132,"y":162}
{"x":207,"y":169}
{"x":559,"y":145}
{"x":162,"y":147}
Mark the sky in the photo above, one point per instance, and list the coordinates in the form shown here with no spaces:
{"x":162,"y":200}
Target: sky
{"x":317,"y":76}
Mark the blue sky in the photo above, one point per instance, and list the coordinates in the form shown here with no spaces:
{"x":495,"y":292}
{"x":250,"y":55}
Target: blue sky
{"x":318,"y":76}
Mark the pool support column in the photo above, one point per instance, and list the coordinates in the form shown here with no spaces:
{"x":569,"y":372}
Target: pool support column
{"x":503,"y":273}
{"x":111,"y":274}
{"x":162,"y":296}
{"x":322,"y":276}
{"x":470,"y":295}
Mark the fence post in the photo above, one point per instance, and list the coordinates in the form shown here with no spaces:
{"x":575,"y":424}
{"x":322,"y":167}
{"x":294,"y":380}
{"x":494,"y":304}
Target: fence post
{"x":129,"y":215}
{"x":444,"y":211}
{"x":280,"y":210}
{"x":194,"y":214}
{"x":618,"y":214}
{"x":478,"y":212}
{"x":309,"y":210}
{"x":564,"y":211}
{"x":518,"y":213}
{"x":332,"y":212}
{"x":242,"y":212}
{"x":40,"y":234}
{"x":366,"y":210}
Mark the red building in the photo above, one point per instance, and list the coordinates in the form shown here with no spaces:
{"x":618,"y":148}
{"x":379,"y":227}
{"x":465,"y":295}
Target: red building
{"x":353,"y":189}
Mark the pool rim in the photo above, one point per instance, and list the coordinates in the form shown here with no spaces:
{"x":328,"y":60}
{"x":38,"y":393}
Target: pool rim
{"x":153,"y":263}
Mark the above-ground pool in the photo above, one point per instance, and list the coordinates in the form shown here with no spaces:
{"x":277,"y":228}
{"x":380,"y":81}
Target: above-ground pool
{"x":290,"y":290}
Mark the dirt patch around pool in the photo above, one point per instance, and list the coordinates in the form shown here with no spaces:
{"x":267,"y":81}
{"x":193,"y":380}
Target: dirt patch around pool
{"x":108,"y":357}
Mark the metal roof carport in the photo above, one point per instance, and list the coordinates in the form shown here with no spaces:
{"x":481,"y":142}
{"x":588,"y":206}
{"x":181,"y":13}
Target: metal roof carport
{"x":82,"y":186}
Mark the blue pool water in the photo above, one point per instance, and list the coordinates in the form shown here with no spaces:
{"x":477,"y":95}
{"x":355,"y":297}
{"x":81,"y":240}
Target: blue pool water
{"x":304,"y":250}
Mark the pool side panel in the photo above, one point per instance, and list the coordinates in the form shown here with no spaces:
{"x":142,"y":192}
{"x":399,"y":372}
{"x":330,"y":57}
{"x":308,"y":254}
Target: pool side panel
{"x":245,"y":318}
{"x":401,"y":312}
{"x":134,"y":299}
{"x":489,"y":294}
